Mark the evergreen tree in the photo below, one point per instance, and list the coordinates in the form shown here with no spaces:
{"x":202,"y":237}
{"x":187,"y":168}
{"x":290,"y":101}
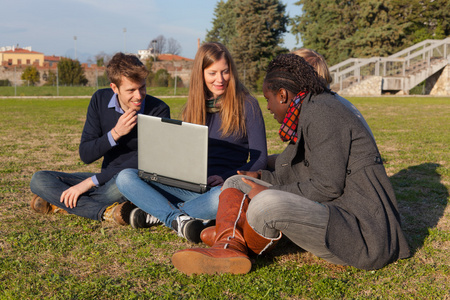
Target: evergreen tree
{"x":252,"y":30}
{"x":377,"y":30}
{"x":426,"y":19}
{"x":70,"y":72}
{"x":260,"y":25}
{"x":362,"y":28}
{"x":224,"y":23}
{"x":321,"y":20}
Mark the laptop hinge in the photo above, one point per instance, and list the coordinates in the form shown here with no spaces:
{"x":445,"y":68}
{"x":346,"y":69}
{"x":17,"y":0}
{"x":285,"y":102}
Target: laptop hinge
{"x":195,"y":187}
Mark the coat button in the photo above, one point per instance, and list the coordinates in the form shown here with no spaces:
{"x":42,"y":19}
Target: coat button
{"x":306,"y":163}
{"x":349,"y":172}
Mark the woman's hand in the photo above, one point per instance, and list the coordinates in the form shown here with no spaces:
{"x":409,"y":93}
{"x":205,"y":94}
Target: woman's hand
{"x":71,"y":195}
{"x":254,"y":174}
{"x":214,"y":180}
{"x":256,"y":188}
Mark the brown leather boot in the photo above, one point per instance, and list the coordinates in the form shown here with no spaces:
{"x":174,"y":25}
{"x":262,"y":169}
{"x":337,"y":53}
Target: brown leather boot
{"x":256,"y":242}
{"x":41,"y":206}
{"x":229,"y":252}
{"x":208,"y":235}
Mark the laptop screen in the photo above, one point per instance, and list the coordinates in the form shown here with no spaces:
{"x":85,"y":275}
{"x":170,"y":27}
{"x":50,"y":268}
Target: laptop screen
{"x":173,"y":149}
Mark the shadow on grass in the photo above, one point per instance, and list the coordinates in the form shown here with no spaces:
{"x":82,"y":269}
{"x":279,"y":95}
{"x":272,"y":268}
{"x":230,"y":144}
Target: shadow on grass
{"x":422,"y":199}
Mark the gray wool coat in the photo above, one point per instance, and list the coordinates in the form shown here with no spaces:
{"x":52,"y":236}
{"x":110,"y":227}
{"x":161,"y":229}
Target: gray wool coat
{"x":336,"y":162}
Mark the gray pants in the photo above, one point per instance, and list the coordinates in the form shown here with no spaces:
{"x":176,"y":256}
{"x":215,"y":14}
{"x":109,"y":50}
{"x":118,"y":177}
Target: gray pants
{"x":303,"y":221}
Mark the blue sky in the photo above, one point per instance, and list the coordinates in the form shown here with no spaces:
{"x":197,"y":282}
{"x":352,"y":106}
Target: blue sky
{"x":49,"y":26}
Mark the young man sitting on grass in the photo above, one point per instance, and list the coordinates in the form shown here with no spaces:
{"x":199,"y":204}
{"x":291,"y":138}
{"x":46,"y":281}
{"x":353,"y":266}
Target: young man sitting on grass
{"x":110,"y":131}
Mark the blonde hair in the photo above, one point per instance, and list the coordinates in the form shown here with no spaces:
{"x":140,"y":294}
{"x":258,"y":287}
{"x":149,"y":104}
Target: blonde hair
{"x":232,"y":110}
{"x":317,"y":61}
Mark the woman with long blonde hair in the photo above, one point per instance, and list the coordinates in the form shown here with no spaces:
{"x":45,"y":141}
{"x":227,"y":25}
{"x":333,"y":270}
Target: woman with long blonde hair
{"x":237,"y":142}
{"x":228,"y":101}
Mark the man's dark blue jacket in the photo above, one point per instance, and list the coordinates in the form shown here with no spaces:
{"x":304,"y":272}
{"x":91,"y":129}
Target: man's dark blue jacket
{"x":100,"y":120}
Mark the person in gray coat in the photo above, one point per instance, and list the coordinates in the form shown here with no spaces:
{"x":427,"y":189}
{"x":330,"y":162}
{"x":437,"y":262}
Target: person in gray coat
{"x":329,"y":192}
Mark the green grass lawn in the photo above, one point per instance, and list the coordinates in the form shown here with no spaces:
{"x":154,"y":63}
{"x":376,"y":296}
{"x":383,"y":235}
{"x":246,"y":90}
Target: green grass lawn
{"x":69,"y":257}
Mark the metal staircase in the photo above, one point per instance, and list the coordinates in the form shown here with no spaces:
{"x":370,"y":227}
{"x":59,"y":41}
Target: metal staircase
{"x":399,"y":72}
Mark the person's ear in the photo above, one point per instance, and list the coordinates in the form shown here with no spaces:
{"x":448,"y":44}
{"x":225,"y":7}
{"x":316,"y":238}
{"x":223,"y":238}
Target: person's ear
{"x":282,"y":95}
{"x":114,"y":87}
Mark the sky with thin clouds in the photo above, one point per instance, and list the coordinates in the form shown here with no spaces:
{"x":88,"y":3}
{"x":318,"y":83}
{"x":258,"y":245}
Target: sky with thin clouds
{"x":61,"y":27}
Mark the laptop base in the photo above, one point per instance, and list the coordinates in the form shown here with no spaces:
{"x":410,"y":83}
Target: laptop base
{"x":194,"y":187}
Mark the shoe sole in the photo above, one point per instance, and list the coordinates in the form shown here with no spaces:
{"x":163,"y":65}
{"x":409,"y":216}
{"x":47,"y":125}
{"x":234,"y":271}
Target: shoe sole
{"x":41,"y":206}
{"x":38,"y":206}
{"x":192,"y":231}
{"x":191,"y":262}
{"x":133,"y":212}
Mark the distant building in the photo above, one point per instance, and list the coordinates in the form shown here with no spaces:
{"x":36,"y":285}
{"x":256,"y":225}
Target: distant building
{"x":145,"y":54}
{"x":150,"y":53}
{"x":20,"y":56}
{"x":172,"y":57}
{"x":52,"y":60}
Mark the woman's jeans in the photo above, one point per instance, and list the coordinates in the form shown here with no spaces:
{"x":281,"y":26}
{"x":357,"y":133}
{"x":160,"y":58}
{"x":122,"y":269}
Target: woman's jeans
{"x":49,"y":185}
{"x":303,"y":221}
{"x":166,"y":202}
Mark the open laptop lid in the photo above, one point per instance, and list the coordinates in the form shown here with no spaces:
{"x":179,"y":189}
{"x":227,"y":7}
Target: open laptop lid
{"x":172,"y":152}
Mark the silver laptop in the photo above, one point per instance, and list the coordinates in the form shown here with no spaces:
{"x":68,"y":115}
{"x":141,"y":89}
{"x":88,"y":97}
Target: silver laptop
{"x":173,"y":152}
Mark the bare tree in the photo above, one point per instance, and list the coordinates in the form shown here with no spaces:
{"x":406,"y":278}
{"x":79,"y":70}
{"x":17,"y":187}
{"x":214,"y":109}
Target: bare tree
{"x":102,"y":59}
{"x":158,"y":44}
{"x":173,"y":47}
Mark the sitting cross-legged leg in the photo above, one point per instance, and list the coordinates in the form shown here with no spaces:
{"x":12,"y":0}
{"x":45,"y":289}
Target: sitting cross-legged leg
{"x":303,"y":221}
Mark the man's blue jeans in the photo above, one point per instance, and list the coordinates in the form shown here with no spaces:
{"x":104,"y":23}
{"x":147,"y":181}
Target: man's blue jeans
{"x":165,"y":202}
{"x":49,"y":185}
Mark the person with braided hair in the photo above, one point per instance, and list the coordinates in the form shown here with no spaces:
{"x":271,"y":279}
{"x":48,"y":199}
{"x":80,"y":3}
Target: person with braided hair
{"x":329,"y":192}
{"x":318,"y":62}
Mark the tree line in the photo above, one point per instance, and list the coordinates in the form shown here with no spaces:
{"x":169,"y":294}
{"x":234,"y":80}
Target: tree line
{"x":253,"y":29}
{"x":352,"y":29}
{"x":69,"y":72}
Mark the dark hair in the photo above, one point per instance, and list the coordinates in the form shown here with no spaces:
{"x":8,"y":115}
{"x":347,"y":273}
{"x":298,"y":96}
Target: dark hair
{"x":126,"y":65}
{"x":293,"y":73}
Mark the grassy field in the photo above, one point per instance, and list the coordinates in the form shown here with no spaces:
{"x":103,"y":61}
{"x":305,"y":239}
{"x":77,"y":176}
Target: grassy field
{"x":68,"y":257}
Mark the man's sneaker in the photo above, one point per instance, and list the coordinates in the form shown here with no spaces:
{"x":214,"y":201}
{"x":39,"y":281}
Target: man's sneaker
{"x":188,"y":228}
{"x":119,"y":213}
{"x":41,"y":206}
{"x":141,"y":219}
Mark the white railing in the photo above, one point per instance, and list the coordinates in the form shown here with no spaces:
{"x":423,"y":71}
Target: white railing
{"x":425,"y":57}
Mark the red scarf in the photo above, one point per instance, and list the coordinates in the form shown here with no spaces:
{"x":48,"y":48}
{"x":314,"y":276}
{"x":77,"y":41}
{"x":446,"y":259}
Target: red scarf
{"x":288,"y":130}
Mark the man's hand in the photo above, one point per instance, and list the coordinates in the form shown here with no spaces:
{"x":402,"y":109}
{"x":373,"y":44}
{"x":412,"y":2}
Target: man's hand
{"x":214,"y":180}
{"x":71,"y":195}
{"x":254,"y":174}
{"x":125,"y":124}
{"x":256,"y":188}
